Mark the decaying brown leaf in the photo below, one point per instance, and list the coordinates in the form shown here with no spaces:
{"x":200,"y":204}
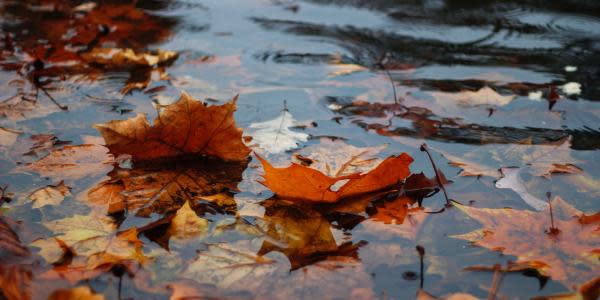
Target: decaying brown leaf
{"x":570,"y":256}
{"x":10,"y":244}
{"x":298,"y":182}
{"x":186,"y":127}
{"x":14,"y":278}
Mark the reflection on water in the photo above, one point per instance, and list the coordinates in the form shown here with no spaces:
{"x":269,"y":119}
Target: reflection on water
{"x":486,"y":84}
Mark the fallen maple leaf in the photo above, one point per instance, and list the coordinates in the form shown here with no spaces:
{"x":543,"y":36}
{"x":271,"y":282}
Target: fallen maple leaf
{"x":186,"y":127}
{"x":298,"y":182}
{"x":571,"y":256}
{"x":229,"y":267}
{"x":235,"y":269}
{"x":49,"y":195}
{"x":95,"y":237}
{"x":74,"y":162}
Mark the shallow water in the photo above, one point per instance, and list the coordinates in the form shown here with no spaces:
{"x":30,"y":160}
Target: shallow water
{"x":427,"y":54}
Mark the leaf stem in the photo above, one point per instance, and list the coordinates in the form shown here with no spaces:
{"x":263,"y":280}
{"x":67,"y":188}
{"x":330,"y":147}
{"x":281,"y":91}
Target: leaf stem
{"x":553,"y":230}
{"x":437,"y":174}
{"x":496,"y":279}
{"x":421,"y":251}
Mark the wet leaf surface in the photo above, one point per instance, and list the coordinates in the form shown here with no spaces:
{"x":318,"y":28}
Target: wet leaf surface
{"x":127,"y":174}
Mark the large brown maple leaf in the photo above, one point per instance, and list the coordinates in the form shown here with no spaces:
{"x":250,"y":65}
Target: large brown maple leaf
{"x":186,"y":127}
{"x":571,"y":256}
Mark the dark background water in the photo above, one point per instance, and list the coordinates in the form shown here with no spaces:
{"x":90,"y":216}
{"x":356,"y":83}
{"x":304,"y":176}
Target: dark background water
{"x":271,"y":51}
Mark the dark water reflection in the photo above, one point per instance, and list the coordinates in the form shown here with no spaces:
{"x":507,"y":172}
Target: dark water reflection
{"x":412,"y":70}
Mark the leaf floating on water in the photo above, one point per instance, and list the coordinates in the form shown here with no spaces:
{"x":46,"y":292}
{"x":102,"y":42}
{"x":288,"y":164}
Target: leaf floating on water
{"x":484,"y":96}
{"x":10,"y":244}
{"x":276,"y":136}
{"x":116,"y":57}
{"x":8,"y":136}
{"x":50,"y":195}
{"x":14,"y":278}
{"x":522,"y":233}
{"x":95,"y":237}
{"x":545,"y":160}
{"x":186,"y":127}
{"x":298,"y":182}
{"x":229,"y":267}
{"x":186,"y":224}
{"x":74,"y":162}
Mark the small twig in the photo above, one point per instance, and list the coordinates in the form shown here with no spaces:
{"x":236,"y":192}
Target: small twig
{"x":553,"y":230}
{"x":62,"y":107}
{"x":283,"y":111}
{"x":498,"y":274}
{"x":421,"y":251}
{"x":437,"y":174}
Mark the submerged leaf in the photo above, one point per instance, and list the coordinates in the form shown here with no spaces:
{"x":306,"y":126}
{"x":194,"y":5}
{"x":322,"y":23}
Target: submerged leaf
{"x":186,"y":127}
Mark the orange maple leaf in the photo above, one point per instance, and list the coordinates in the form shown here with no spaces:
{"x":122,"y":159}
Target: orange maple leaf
{"x":298,"y":182}
{"x":571,"y":256}
{"x":186,"y":127}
